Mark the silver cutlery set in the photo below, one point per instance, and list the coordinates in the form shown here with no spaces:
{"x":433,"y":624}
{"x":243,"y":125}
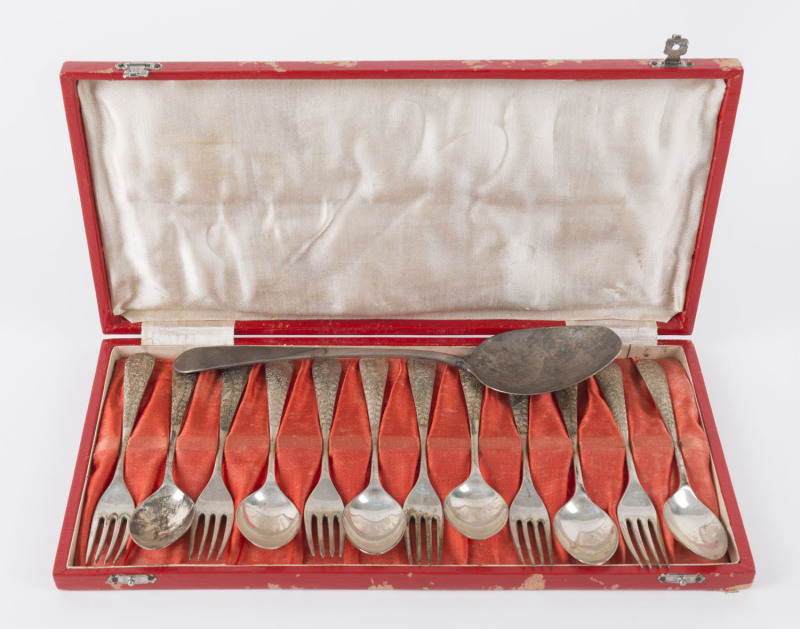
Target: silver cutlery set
{"x":373,"y":521}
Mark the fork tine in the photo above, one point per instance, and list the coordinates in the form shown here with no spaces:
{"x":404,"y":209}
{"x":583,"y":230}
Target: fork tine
{"x":407,"y":539}
{"x":526,"y":536}
{"x":214,"y":520}
{"x":515,"y":537}
{"x":341,"y":534}
{"x":114,"y":536}
{"x":549,"y":541}
{"x":418,"y":533}
{"x":226,"y":535}
{"x":428,"y":536}
{"x":628,"y":541}
{"x":206,"y":525}
{"x":636,"y":526}
{"x":320,"y":538}
{"x":107,"y":523}
{"x":309,"y":534}
{"x":192,"y":532}
{"x":660,"y":541}
{"x":331,"y":535}
{"x":92,"y":532}
{"x":649,"y":539}
{"x":125,"y":535}
{"x":440,"y":538}
{"x":538,"y":538}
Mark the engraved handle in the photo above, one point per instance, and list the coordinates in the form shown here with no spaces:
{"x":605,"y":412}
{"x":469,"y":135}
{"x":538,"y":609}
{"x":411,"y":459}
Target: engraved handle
{"x":568,"y":404}
{"x":278,"y":376}
{"x":473,"y":395}
{"x":138,"y":369}
{"x":519,"y":407}
{"x":182,"y":389}
{"x":610,"y":381}
{"x":421,"y":374}
{"x":374,"y":372}
{"x":233,"y":383}
{"x":656,"y":381}
{"x":326,"y":373}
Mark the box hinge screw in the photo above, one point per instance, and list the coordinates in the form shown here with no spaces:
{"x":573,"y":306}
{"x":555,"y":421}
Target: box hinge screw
{"x":681,"y":579}
{"x":137,"y":70}
{"x":131,"y":579}
{"x":675,"y":48}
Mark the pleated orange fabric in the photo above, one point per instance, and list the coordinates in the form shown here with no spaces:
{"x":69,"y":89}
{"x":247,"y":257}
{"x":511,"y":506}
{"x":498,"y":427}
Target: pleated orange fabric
{"x":299,"y":448}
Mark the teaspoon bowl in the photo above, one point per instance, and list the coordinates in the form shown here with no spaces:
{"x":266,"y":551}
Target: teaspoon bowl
{"x":695,"y":525}
{"x":475,"y":509}
{"x":373,"y":521}
{"x":267,"y":518}
{"x":162,"y":518}
{"x":586,"y":531}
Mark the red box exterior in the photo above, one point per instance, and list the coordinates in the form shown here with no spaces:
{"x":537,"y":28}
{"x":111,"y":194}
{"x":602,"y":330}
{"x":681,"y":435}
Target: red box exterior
{"x":727,"y":577}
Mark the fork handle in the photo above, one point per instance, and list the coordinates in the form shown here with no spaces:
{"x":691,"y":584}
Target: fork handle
{"x":233,"y":383}
{"x":326,"y":372}
{"x":610,"y":381}
{"x":138,"y":369}
{"x":656,"y":381}
{"x":421,"y":374}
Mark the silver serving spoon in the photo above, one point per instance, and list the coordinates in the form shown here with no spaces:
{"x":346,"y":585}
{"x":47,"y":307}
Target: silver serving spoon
{"x":163,"y":517}
{"x":267,"y":518}
{"x":691,"y":522}
{"x":524,"y":362}
{"x":373,"y":520}
{"x":584,"y":530}
{"x":473,"y":508}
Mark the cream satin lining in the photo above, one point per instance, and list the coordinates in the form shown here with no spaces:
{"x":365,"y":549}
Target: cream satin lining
{"x":404,"y":198}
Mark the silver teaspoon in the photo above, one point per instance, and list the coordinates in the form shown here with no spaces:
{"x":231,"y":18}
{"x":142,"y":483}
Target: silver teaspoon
{"x":267,"y":518}
{"x":473,"y":508}
{"x":584,"y":530}
{"x":691,"y":522}
{"x":163,"y":517}
{"x":373,"y":520}
{"x":525,"y":362}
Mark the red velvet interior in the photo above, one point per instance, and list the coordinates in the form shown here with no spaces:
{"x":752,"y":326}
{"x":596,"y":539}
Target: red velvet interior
{"x":299,"y":447}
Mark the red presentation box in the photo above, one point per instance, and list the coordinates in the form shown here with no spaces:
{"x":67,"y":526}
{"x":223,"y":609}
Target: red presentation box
{"x":397,"y":204}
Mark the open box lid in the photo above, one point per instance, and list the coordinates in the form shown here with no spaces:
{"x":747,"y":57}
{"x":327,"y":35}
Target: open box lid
{"x":400,"y":197}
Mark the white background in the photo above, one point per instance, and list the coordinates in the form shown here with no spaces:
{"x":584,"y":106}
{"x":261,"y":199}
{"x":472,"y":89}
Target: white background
{"x":746,"y":332}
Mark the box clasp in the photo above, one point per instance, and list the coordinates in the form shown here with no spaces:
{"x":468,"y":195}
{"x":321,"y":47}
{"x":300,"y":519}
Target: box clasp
{"x":131,"y":579}
{"x":676,"y":47}
{"x":187,"y":332}
{"x":137,"y":70}
{"x":681,"y":579}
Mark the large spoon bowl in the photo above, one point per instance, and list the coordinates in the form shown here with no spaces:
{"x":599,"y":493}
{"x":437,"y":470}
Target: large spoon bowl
{"x":162,"y":518}
{"x":522,"y":362}
{"x":586,"y":531}
{"x":267,"y":518}
{"x":694,"y":525}
{"x":373,"y":521}
{"x":475,"y":509}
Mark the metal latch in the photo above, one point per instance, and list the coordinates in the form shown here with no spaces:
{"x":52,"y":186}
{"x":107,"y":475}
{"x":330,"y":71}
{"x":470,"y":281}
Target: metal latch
{"x":137,"y":70}
{"x":676,"y":46}
{"x":131,"y":579}
{"x":681,"y":579}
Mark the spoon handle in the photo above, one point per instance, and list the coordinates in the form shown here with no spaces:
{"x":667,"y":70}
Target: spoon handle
{"x":137,"y":374}
{"x":182,"y":389}
{"x":374,"y":372}
{"x":421,"y":374}
{"x":568,"y":404}
{"x":278,"y":376}
{"x":656,"y":380}
{"x":473,"y":395}
{"x":205,"y":358}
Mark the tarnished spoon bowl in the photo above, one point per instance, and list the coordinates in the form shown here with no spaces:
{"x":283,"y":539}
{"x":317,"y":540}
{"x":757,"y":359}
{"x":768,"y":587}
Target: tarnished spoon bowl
{"x":267,"y":518}
{"x":373,"y":521}
{"x":162,"y":518}
{"x":694,"y":525}
{"x":586,"y":531}
{"x":475,"y":509}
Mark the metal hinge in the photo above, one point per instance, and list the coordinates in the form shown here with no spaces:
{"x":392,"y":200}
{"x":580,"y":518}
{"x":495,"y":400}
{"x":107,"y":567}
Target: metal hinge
{"x":131,"y":579}
{"x":137,"y":70}
{"x":681,"y":579}
{"x":676,"y":46}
